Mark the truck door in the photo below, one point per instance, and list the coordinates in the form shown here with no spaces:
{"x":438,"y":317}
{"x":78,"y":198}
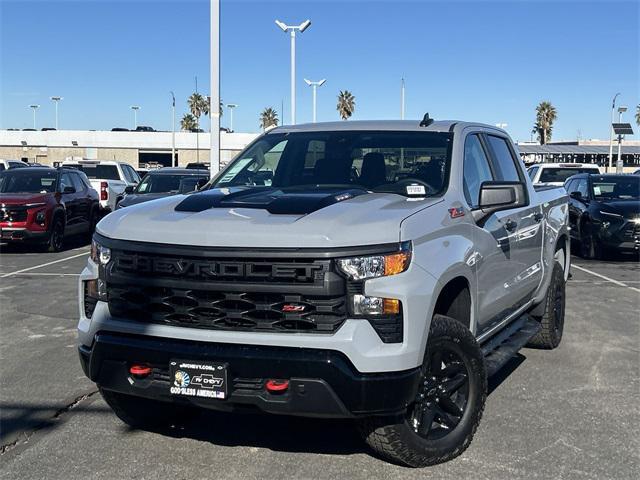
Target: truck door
{"x":522,"y":225}
{"x":71,"y":203}
{"x":492,"y":246}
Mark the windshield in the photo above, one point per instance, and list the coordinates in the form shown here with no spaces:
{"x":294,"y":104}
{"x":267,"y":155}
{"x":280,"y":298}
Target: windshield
{"x":559,"y":175}
{"x":378,"y":161}
{"x":168,"y":183}
{"x":623,"y":188}
{"x":19,"y":181}
{"x":106,"y":172}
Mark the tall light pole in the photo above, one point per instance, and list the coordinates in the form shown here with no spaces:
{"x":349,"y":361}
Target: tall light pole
{"x":56,"y":100}
{"x":402,"y":99}
{"x":214,"y":110}
{"x":314,"y":86}
{"x":231,"y":106}
{"x":34,"y":108}
{"x":135,"y":109}
{"x":292,"y":31}
{"x":620,"y":163}
{"x":613,"y":109}
{"x":173,"y":130}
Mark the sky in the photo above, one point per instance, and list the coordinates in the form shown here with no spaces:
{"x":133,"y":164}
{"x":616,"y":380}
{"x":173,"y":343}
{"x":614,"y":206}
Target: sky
{"x":487,"y":61}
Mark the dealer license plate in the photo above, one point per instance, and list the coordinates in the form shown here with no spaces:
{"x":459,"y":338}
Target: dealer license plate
{"x":191,"y":378}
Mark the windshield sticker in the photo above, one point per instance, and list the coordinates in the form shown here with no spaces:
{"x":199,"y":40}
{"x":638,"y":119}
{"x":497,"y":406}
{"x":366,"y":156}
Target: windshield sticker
{"x":416,"y":190}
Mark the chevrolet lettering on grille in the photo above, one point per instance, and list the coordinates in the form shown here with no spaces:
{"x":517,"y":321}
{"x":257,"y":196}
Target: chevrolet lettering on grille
{"x":194,"y":268}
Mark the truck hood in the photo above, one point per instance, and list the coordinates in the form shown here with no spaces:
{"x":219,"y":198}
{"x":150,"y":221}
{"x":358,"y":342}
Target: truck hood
{"x":22,"y":198}
{"x":246,"y":217}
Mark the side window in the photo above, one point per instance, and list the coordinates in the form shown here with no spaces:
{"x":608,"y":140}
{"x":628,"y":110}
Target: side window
{"x":532,"y":172}
{"x":127,"y":174}
{"x":77,"y":182}
{"x":65,"y":181}
{"x":1,"y":167}
{"x":506,"y":165}
{"x":570,"y":186}
{"x":133,"y":173}
{"x":582,"y":187}
{"x":476,"y":169}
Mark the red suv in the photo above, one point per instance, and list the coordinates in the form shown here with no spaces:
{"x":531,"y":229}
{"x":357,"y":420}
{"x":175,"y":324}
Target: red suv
{"x":46,"y":205}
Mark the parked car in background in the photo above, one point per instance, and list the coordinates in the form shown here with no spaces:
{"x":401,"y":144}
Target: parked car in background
{"x":556,"y":173}
{"x":143,"y":128}
{"x":604,"y":213}
{"x":109,"y":178}
{"x":46,"y":205}
{"x":8,"y":164}
{"x":637,"y":172}
{"x":120,"y":129}
{"x":163,"y":182}
{"x":320,"y":276}
{"x":199,"y":165}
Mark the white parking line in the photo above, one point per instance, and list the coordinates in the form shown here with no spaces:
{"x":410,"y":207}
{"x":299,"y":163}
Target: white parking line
{"x":40,"y":274}
{"x":611,"y":280}
{"x":44,"y":264}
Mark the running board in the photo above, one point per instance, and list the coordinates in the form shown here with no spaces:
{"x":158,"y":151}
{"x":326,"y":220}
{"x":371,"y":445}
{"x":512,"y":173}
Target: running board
{"x":499,"y":349}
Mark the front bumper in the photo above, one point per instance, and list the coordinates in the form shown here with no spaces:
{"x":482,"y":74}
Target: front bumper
{"x":623,"y":235}
{"x":22,"y":234}
{"x":323,"y":383}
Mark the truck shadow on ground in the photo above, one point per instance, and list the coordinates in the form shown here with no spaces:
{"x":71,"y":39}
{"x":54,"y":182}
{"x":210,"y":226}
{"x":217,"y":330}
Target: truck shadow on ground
{"x":286,"y":433}
{"x":70,"y":243}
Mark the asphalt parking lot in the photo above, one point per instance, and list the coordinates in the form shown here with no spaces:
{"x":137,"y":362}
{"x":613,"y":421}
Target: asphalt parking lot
{"x":570,"y":413}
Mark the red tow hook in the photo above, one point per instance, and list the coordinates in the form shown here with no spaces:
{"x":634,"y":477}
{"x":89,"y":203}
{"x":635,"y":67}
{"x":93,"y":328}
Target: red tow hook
{"x":277,"y":386}
{"x":140,"y":371}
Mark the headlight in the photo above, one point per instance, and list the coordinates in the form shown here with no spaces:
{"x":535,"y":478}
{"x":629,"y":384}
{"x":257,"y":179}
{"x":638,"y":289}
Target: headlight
{"x":609,"y":214}
{"x":99,"y":253}
{"x":374,"y":266}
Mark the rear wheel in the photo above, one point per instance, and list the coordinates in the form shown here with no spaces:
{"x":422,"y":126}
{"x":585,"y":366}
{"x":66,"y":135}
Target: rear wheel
{"x":552,"y":321}
{"x":143,"y":413}
{"x":441,"y":422}
{"x":56,"y":237}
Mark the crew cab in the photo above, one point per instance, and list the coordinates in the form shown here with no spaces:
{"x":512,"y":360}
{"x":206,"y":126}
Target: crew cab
{"x":557,"y":173}
{"x":379,"y":271}
{"x":163,"y":182}
{"x":109,"y":178}
{"x":45,"y":205}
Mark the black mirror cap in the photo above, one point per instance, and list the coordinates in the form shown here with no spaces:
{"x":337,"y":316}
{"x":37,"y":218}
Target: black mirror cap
{"x":129,"y":189}
{"x":576,"y":195}
{"x":69,"y":190}
{"x":497,"y":196}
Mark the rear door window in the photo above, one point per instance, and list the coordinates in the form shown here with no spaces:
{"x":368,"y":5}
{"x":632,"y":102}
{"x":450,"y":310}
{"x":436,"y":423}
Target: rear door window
{"x":65,"y":181}
{"x":506,"y":165}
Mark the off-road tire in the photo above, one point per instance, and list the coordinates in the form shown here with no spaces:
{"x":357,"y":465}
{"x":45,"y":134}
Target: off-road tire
{"x":56,"y":236}
{"x":552,"y":320}
{"x":395,"y":440}
{"x":143,"y":413}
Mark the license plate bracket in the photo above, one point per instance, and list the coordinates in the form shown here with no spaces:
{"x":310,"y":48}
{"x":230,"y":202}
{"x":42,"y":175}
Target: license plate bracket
{"x":198,"y":379}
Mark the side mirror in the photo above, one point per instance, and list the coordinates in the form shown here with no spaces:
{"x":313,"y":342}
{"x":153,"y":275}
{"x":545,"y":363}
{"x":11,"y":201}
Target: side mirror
{"x":497,"y":196}
{"x":129,"y":189}
{"x":576,"y":196}
{"x":69,"y":190}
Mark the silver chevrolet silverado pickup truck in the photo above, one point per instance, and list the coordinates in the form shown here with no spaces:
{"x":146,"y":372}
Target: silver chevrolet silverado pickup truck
{"x":379,"y":271}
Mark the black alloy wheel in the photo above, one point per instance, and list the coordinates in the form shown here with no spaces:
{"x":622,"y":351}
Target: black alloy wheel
{"x":444,"y":393}
{"x":57,"y":236}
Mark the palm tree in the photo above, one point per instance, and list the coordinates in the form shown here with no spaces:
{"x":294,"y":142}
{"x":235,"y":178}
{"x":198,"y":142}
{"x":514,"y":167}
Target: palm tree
{"x":638,"y":115}
{"x":545,"y":116}
{"x":188,"y":122}
{"x":268,"y":118}
{"x":346,"y":104}
{"x":198,"y":105}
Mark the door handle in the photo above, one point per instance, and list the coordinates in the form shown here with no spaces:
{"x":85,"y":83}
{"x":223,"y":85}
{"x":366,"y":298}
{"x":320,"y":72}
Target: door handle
{"x":510,"y":225}
{"x":537,"y":217}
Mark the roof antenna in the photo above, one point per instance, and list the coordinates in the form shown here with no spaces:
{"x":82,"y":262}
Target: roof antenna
{"x":426,"y":121}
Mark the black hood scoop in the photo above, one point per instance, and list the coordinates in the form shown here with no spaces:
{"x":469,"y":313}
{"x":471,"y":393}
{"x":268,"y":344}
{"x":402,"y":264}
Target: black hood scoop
{"x":285,"y":201}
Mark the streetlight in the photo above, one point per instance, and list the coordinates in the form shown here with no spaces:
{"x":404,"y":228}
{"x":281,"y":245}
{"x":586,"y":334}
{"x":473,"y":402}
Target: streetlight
{"x":292,"y":30}
{"x":214,"y":65}
{"x":34,"y":107}
{"x":55,"y":101}
{"x":173,"y":129}
{"x":620,"y":163}
{"x":135,"y":109}
{"x":315,"y":86}
{"x":613,"y":109}
{"x":231,"y":106}
{"x":402,"y":99}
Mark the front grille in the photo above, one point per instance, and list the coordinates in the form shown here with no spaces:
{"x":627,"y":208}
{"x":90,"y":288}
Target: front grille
{"x":13,"y":214}
{"x":226,"y":310}
{"x":632,"y":232}
{"x":262,"y":294}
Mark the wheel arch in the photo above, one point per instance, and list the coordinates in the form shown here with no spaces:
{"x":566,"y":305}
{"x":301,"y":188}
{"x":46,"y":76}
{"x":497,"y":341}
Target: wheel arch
{"x":455,"y":300}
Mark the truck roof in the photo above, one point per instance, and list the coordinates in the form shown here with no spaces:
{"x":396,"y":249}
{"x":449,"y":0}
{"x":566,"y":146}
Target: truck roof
{"x":402,"y":125}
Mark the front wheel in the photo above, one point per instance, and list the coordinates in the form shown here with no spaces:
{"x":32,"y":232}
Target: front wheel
{"x":590,"y":247}
{"x":446,"y":412}
{"x":552,"y":320}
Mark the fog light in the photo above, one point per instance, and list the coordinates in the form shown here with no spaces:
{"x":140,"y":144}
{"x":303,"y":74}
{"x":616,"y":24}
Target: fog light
{"x":41,"y":217}
{"x":97,"y":289}
{"x":363,"y":305}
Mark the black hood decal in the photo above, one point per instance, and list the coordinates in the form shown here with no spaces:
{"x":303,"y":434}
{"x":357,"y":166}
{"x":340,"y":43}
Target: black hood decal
{"x":286,"y":201}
